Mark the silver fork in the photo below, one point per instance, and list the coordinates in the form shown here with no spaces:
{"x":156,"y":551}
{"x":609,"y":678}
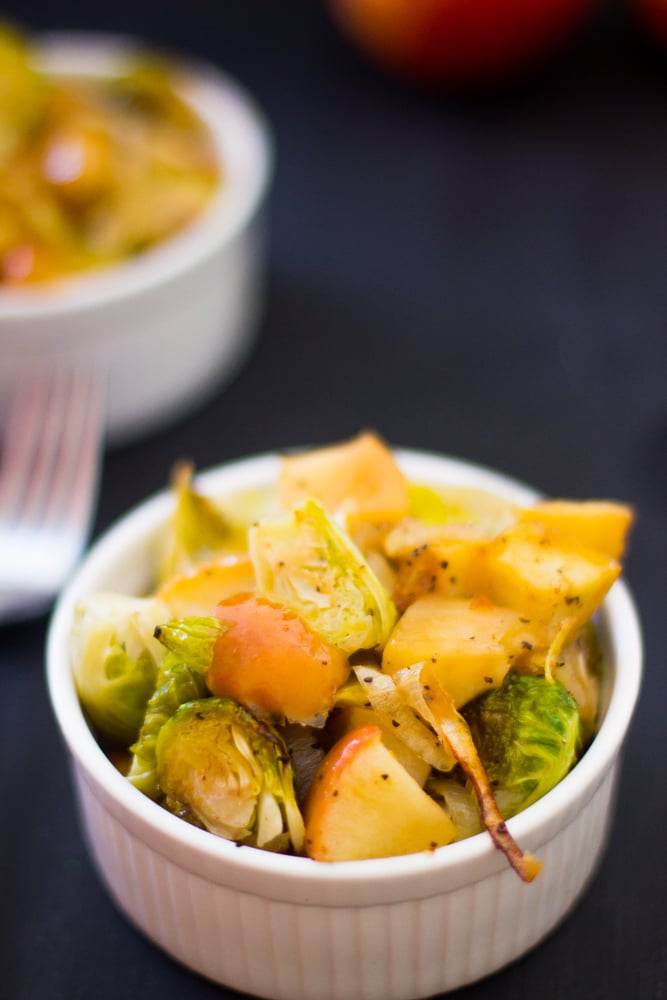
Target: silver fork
{"x":49,"y":475}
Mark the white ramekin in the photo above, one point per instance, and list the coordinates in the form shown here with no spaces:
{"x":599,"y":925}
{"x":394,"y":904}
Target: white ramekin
{"x":295,"y":929}
{"x":170,"y":326}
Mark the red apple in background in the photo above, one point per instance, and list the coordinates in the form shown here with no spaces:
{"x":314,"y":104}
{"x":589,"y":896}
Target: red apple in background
{"x":653,"y":15}
{"x":460,"y":42}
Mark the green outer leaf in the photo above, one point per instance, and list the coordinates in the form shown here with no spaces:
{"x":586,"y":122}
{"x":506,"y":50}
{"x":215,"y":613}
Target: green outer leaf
{"x":176,"y":684}
{"x":192,"y":639}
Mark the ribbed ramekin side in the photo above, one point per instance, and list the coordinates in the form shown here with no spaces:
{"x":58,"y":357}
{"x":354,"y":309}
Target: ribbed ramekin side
{"x":397,"y":951}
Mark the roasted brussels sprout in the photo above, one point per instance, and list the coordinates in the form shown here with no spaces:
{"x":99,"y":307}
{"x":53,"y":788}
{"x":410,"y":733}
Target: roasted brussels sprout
{"x":182,"y":677}
{"x":303,"y":560}
{"x":528,"y":736}
{"x":115,"y":661}
{"x":450,"y":506}
{"x":221,"y":768}
{"x":197,"y":530}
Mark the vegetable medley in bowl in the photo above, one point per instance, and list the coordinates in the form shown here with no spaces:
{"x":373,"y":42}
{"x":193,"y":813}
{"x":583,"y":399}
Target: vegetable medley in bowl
{"x":94,"y":169}
{"x":350,"y":664}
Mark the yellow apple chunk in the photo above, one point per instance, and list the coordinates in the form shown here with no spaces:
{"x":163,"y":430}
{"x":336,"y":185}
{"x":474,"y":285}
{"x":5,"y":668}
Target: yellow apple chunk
{"x":598,"y":524}
{"x":549,"y":578}
{"x":199,"y":592}
{"x":360,"y":477}
{"x":470,"y":644}
{"x":364,"y":804}
{"x":443,"y":566}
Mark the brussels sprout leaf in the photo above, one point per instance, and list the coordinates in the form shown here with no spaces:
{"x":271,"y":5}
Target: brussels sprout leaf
{"x":176,"y":684}
{"x":305,"y":561}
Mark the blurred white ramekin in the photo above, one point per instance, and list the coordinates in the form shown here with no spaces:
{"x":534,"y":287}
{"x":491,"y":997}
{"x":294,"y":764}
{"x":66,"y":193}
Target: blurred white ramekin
{"x":168,"y":327}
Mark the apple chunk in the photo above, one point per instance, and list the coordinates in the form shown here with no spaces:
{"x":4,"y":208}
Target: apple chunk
{"x":547,"y":577}
{"x":600,"y":525}
{"x":269,"y":660}
{"x":364,"y":804}
{"x":473,"y":643}
{"x":360,"y":476}
{"x":197,"y":592}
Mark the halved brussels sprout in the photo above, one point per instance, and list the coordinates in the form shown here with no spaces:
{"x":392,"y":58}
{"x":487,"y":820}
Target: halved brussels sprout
{"x":231,"y":773}
{"x":461,"y":505}
{"x":115,"y":660}
{"x":306,"y":562}
{"x":197,"y":531}
{"x":528,"y":736}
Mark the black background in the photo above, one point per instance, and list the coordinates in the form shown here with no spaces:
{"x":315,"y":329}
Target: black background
{"x":481,"y":276}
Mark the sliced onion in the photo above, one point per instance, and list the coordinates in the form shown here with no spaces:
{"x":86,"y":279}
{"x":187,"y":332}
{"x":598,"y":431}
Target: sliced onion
{"x":387,"y":701}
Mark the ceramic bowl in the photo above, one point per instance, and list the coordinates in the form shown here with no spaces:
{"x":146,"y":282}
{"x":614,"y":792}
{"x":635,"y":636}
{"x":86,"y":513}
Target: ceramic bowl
{"x":167,"y":328}
{"x":295,"y":929}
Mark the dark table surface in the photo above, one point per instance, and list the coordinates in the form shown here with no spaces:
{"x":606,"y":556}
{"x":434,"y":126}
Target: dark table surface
{"x":484,"y":277}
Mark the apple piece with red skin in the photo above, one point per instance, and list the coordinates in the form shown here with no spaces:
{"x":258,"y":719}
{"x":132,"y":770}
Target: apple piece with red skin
{"x":268,"y":659}
{"x":460,"y":42}
{"x":363,"y":804}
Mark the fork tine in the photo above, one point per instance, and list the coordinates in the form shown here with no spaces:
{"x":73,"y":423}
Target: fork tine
{"x":76,"y":472}
{"x":21,"y":441}
{"x":47,"y":452}
{"x":48,"y":482}
{"x":87,"y":480}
